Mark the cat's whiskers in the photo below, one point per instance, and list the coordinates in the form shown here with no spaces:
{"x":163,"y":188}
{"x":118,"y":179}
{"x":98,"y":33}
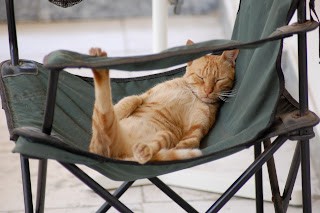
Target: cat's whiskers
{"x":223,"y":99}
{"x":229,"y":93}
{"x":225,"y":95}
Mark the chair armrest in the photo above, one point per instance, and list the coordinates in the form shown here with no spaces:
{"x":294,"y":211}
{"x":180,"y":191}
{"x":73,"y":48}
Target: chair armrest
{"x":61,"y":59}
{"x":36,"y":134}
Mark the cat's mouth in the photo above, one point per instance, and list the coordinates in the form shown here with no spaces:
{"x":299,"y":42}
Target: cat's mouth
{"x":216,"y":97}
{"x":208,"y":100}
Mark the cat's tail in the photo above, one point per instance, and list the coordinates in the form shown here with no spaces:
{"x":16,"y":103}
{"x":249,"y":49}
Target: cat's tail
{"x":176,"y":154}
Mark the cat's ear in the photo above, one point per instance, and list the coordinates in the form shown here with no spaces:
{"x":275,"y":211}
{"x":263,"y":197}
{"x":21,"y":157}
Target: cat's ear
{"x":231,"y":56}
{"x":189,"y":42}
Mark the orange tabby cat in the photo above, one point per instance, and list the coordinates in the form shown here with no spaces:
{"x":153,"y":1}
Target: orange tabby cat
{"x":168,"y":121}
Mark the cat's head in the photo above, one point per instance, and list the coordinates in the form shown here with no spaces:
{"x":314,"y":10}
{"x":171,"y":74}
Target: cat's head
{"x":211,"y":77}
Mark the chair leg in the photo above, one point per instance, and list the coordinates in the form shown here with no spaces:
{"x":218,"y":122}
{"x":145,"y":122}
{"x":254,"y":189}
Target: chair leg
{"x":303,"y":107}
{"x":305,"y":172}
{"x":258,"y":181}
{"x":246,"y":175}
{"x":276,"y":197}
{"x":96,"y":187}
{"x":26,"y":181}
{"x":118,"y":193}
{"x":292,"y":176}
{"x":41,"y":187}
{"x":174,"y":196}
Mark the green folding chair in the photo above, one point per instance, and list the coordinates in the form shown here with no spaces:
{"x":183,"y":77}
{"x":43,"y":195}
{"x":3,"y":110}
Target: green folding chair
{"x":49,"y":110}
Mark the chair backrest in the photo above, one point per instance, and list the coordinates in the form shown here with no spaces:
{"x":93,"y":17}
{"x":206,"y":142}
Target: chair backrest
{"x":259,"y":80}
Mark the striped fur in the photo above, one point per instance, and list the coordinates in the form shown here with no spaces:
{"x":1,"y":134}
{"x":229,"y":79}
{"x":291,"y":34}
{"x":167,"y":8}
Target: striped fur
{"x":168,"y":121}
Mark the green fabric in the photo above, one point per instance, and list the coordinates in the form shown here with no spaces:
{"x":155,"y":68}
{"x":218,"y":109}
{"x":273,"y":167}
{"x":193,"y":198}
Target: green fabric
{"x":257,"y":80}
{"x":75,"y":97}
{"x":239,"y":122}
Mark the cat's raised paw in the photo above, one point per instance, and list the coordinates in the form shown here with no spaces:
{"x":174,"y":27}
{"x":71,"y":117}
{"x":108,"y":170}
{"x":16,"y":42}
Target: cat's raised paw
{"x":95,"y":51}
{"x":142,"y":153}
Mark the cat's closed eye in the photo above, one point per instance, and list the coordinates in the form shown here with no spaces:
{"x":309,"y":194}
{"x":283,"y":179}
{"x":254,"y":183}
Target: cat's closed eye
{"x":221,"y":79}
{"x":200,"y":77}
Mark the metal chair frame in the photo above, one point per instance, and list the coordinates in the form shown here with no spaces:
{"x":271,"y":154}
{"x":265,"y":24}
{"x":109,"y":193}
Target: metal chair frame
{"x":281,"y":202}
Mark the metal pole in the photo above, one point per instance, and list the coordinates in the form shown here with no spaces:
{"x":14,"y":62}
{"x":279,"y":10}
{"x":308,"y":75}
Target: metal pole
{"x":13,"y":44}
{"x":292,"y":176}
{"x":27,"y":191}
{"x":46,"y":128}
{"x":174,"y":196}
{"x":159,"y":25}
{"x":117,"y":194}
{"x":246,"y":175}
{"x":41,"y":185}
{"x":302,"y":65}
{"x":258,"y":181}
{"x":96,"y":187}
{"x":303,"y":101}
{"x":50,"y":102}
{"x":306,"y":178}
{"x":276,"y":197}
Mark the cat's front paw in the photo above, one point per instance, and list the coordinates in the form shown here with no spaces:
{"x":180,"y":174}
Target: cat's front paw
{"x":142,"y":152}
{"x":95,"y":51}
{"x":100,"y":75}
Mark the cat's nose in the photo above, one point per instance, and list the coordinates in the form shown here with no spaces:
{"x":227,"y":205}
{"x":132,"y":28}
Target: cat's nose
{"x":208,"y":91}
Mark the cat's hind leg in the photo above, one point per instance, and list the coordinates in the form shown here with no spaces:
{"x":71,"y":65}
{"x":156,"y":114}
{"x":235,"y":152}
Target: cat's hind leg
{"x":163,"y":148}
{"x":144,"y":152}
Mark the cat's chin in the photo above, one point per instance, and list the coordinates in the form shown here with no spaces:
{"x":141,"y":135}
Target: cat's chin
{"x":208,"y":100}
{"x":205,"y":99}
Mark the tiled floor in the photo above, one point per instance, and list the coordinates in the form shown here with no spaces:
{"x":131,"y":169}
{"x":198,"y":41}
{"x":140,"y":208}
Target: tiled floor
{"x":118,"y":37}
